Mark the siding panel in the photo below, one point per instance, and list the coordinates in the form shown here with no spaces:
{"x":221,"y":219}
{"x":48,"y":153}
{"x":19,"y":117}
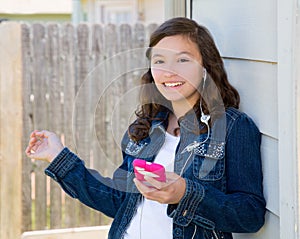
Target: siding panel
{"x":257,"y":85}
{"x":242,"y":29}
{"x":269,"y":148}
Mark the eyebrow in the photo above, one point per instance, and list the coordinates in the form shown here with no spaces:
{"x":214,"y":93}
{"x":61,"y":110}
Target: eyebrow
{"x":177,"y":54}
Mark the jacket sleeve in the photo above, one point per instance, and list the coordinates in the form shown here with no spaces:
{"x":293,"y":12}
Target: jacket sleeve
{"x":101,"y":193}
{"x":241,"y":208}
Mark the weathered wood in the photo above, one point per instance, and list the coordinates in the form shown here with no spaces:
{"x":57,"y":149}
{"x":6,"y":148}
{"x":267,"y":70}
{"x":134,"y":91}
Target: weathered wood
{"x":150,"y":28}
{"x":27,"y":128}
{"x":98,"y":119}
{"x":82,"y":107}
{"x":97,"y":76}
{"x":123,"y":85}
{"x":40,"y":106}
{"x":55,"y":114}
{"x":139,"y":37}
{"x":68,"y":53}
{"x":11,"y":130}
{"x":111,"y":48}
{"x":119,"y":118}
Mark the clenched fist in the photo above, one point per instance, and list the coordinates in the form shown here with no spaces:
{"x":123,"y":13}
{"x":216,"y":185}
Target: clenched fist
{"x":44,"y":145}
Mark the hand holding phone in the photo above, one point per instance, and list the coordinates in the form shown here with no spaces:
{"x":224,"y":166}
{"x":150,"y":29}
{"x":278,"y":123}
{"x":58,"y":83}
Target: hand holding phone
{"x":143,"y":168}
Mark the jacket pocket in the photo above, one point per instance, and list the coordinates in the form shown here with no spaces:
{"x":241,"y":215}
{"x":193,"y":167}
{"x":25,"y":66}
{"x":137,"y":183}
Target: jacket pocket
{"x":209,"y":161}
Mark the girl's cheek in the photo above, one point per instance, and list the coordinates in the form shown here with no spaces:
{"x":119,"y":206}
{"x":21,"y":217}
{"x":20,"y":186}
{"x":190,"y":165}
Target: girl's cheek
{"x":156,"y":73}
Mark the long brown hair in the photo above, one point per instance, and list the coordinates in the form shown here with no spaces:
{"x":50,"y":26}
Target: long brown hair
{"x":151,"y":100}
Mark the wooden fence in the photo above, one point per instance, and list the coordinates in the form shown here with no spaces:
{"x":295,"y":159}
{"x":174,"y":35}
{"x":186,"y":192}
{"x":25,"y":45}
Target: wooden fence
{"x":74,"y":81}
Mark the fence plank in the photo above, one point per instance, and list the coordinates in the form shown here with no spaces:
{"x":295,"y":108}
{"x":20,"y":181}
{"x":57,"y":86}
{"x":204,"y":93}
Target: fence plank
{"x":111,"y":49}
{"x":27,"y":128}
{"x":68,"y":48}
{"x":151,"y":28}
{"x":139,"y":37}
{"x":11,"y":116}
{"x":98,"y":87}
{"x":55,"y":116}
{"x":82,"y":107}
{"x":123,"y":84}
{"x":97,"y":119}
{"x":99,"y":98}
{"x":40,"y":119}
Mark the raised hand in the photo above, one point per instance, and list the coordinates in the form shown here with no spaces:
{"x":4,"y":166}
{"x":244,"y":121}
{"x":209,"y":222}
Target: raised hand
{"x":44,"y":145}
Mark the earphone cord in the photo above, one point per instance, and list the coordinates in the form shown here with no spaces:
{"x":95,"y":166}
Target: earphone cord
{"x":141,"y":219}
{"x":190,"y":148}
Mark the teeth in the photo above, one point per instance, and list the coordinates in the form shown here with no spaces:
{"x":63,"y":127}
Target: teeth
{"x":173,"y":84}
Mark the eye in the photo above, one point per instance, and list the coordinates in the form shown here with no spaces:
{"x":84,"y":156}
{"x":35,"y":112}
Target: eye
{"x":157,"y":61}
{"x":182,"y":60}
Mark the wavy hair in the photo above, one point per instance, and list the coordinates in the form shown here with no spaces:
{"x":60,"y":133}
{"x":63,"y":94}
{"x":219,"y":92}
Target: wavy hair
{"x":151,"y":100}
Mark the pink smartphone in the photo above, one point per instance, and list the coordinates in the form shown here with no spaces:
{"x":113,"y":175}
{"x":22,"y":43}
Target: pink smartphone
{"x":143,"y":168}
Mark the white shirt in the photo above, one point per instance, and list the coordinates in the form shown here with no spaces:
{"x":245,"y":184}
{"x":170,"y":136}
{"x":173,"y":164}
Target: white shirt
{"x":151,"y":220}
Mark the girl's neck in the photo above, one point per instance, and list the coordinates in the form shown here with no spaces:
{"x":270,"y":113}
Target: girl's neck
{"x":180,"y":109}
{"x":173,"y":127}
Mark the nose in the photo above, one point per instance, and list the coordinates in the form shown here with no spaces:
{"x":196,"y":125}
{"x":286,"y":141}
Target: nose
{"x":169,"y":73}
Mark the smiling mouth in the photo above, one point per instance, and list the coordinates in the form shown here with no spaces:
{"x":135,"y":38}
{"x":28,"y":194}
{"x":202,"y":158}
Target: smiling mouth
{"x":172,"y":84}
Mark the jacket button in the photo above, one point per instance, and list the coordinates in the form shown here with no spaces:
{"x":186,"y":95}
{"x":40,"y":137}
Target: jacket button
{"x":178,"y":232}
{"x":181,"y":220}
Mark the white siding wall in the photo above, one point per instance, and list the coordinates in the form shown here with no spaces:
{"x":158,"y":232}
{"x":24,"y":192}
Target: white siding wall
{"x":246,"y":35}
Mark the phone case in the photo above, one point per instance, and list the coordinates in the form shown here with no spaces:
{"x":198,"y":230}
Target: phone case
{"x":143,"y":168}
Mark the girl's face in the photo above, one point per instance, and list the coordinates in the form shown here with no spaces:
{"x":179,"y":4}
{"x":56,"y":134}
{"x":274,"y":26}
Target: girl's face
{"x":176,"y":66}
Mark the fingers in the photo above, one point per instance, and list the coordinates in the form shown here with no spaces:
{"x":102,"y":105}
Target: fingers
{"x":164,"y":192}
{"x":32,"y":148}
{"x":147,"y":192}
{"x":157,"y":184}
{"x":28,"y":151}
{"x":154,"y":190}
{"x":32,"y":142}
{"x":35,"y":140}
{"x":171,"y":178}
{"x":33,"y":133}
{"x":142,"y":187}
{"x":42,"y":134}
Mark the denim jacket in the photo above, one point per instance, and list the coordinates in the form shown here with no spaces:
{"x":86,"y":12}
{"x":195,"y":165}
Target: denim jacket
{"x":223,"y":175}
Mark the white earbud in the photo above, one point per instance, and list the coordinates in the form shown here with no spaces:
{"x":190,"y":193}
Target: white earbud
{"x":204,"y":75}
{"x":204,"y":118}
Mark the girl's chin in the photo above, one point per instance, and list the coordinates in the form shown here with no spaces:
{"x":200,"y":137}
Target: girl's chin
{"x":181,"y":100}
{"x":174,"y":97}
{"x":178,"y":100}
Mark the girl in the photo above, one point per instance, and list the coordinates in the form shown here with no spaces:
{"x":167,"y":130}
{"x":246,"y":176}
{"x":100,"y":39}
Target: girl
{"x":189,"y":122}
